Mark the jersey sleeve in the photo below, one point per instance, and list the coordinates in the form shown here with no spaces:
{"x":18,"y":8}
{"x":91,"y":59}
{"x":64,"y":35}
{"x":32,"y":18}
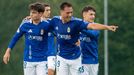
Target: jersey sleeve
{"x":82,"y":25}
{"x":52,"y":23}
{"x":16,"y":36}
{"x":46,"y":26}
{"x":51,"y":45}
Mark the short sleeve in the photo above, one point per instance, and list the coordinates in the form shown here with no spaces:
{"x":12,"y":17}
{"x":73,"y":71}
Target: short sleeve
{"x":82,"y":25}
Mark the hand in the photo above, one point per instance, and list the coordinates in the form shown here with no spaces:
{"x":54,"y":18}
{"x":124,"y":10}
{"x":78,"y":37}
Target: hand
{"x":6,"y":57}
{"x":27,"y":18}
{"x":112,"y":28}
{"x":77,"y":43}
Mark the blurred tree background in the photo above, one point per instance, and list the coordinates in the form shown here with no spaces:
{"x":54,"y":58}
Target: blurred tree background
{"x":121,"y":43}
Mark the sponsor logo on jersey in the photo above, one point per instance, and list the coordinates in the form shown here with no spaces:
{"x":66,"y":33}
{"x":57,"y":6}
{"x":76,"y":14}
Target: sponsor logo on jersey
{"x":86,"y":39}
{"x":66,"y":37}
{"x":38,"y":38}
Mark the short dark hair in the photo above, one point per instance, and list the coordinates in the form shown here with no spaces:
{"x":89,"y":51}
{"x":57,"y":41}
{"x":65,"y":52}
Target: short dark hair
{"x":87,"y":8}
{"x":37,"y":6}
{"x":65,"y":4}
{"x":46,"y":5}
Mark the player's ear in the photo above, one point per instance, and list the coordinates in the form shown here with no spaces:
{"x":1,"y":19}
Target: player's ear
{"x":84,"y":14}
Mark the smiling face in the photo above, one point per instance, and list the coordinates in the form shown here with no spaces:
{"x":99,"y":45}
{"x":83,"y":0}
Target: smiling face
{"x":35,"y":15}
{"x":66,"y":13}
{"x":36,"y":11}
{"x":89,"y":15}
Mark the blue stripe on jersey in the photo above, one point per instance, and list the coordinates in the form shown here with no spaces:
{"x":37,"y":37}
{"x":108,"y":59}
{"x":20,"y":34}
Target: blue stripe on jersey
{"x":67,"y":35}
{"x":89,"y":46}
{"x":36,"y":44}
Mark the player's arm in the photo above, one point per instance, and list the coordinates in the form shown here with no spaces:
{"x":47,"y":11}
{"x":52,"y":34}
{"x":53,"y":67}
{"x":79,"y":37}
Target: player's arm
{"x":51,"y":44}
{"x":98,"y":26}
{"x":51,"y":59}
{"x":15,"y":38}
{"x":6,"y":56}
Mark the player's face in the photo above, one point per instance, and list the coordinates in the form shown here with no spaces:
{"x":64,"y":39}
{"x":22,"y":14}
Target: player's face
{"x":89,"y":16}
{"x":35,"y":15}
{"x":67,"y":13}
{"x":47,"y":12}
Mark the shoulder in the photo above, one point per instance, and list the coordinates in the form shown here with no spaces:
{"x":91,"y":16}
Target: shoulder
{"x":49,"y":20}
{"x":76,"y":19}
{"x":56,"y":18}
{"x":79,"y":21}
{"x":45,"y":21}
{"x":26,"y":22}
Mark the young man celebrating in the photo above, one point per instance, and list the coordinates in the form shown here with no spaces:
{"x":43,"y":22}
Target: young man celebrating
{"x":36,"y":45}
{"x":51,"y":53}
{"x":89,"y":44}
{"x":67,"y":29}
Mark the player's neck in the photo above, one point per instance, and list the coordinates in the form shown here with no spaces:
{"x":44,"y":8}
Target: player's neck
{"x":64,"y":20}
{"x":45,"y":18}
{"x":36,"y":22}
{"x":91,"y":21}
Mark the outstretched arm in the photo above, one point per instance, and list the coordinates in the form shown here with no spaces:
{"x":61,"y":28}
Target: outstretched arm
{"x":98,"y":26}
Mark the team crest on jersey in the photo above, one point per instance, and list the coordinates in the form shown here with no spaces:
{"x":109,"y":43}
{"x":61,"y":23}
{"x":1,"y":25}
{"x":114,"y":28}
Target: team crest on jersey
{"x":30,"y":31}
{"x":68,"y":29}
{"x":42,"y":32}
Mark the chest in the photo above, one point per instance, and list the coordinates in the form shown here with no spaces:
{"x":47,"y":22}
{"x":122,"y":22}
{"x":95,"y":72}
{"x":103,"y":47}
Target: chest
{"x":66,"y":28}
{"x":34,"y":30}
